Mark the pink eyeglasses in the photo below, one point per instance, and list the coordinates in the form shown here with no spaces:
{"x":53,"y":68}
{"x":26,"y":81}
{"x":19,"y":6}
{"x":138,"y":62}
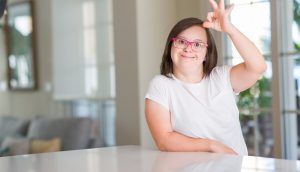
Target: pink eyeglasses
{"x":182,"y":44}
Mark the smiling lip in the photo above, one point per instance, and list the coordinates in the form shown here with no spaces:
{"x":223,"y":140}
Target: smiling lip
{"x":187,"y":57}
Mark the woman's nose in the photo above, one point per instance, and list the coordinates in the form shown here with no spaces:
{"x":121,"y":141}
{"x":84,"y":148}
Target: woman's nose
{"x":188,"y":47}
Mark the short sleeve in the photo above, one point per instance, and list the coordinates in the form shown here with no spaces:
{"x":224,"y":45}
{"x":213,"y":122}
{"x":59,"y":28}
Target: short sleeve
{"x":223,"y":73}
{"x":158,"y":92}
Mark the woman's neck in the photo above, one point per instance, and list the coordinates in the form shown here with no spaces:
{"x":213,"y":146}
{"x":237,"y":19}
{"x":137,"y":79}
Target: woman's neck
{"x":189,"y":77}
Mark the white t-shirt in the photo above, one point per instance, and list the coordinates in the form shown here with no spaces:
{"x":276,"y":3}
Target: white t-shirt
{"x":202,"y":110}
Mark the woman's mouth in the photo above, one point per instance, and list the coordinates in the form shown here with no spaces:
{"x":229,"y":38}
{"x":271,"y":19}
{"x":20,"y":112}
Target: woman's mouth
{"x":191,"y":57}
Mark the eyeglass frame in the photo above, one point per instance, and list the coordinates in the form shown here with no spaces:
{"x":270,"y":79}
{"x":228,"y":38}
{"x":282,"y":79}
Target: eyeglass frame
{"x":188,"y":43}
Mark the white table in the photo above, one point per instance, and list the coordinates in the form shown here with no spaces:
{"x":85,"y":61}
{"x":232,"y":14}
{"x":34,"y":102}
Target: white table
{"x":137,"y":159}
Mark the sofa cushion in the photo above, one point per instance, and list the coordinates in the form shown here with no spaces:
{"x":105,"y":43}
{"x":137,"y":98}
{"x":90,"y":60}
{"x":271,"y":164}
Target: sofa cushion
{"x":43,"y":146}
{"x":12,"y":127}
{"x":73,"y":132}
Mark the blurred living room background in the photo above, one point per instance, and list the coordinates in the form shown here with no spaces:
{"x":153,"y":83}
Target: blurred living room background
{"x":64,"y":60}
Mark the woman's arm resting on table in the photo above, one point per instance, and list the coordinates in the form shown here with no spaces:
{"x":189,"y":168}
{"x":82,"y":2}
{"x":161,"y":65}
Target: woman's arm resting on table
{"x":159,"y":122}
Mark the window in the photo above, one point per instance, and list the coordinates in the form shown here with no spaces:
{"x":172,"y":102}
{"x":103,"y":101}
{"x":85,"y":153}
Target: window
{"x":278,"y":38}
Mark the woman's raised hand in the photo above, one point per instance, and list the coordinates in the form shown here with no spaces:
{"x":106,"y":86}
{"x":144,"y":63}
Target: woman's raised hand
{"x":219,"y":19}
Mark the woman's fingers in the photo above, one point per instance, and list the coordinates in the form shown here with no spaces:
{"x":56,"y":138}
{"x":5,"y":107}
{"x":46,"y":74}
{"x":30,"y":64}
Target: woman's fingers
{"x":218,"y":19}
{"x":210,"y":16}
{"x":213,"y":4}
{"x":210,"y":20}
{"x":207,"y":24}
{"x":228,"y":10}
{"x":221,"y":4}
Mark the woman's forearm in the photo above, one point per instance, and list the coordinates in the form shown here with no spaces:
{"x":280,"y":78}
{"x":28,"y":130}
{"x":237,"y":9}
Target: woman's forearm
{"x":176,"y":142}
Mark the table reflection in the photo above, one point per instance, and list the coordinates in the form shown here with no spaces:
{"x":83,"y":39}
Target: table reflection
{"x":190,"y":162}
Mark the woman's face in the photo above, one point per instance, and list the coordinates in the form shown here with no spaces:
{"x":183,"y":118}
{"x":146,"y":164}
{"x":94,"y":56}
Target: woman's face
{"x":190,"y":57}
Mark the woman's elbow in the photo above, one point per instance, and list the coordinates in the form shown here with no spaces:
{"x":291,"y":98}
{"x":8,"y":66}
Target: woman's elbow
{"x":263,"y":67}
{"x":161,"y":146}
{"x":163,"y":149}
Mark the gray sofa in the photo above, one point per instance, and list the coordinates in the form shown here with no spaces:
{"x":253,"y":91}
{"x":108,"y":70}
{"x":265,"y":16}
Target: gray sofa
{"x":74,"y":133}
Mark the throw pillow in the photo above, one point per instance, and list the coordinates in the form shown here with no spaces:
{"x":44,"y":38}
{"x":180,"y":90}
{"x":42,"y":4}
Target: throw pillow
{"x":43,"y":146}
{"x":16,"y":146}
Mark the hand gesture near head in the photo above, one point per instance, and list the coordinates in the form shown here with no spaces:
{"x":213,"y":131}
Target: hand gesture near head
{"x":219,"y":19}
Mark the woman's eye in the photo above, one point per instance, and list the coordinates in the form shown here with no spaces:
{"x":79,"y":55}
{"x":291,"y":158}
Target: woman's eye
{"x":197,"y":44}
{"x":181,"y":41}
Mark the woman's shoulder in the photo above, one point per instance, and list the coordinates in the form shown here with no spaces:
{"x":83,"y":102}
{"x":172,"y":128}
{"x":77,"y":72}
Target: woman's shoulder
{"x":161,"y":79}
{"x":161,"y":82}
{"x":220,"y":75}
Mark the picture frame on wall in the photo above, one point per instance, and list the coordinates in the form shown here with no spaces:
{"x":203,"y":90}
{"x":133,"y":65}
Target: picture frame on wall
{"x":21,"y":58}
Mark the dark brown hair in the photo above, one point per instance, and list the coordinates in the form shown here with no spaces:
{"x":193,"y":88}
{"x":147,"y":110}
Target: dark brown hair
{"x":211,"y":57}
{"x":2,"y":7}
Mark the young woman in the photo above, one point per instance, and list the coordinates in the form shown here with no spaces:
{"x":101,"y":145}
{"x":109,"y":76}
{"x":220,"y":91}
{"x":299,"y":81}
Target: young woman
{"x":191,"y":105}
